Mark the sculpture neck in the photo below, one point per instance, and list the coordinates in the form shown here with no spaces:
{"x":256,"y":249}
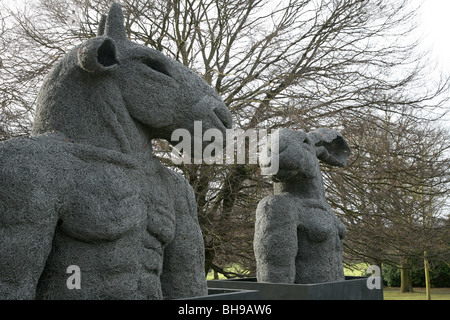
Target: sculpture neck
{"x":301,"y":187}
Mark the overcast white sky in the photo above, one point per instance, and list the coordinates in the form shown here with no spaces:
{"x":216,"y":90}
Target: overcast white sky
{"x":436,"y":27}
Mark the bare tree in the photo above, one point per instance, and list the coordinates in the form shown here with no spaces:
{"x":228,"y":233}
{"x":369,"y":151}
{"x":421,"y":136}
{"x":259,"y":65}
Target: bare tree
{"x":393,"y":210}
{"x":14,"y":108}
{"x":294,"y":63}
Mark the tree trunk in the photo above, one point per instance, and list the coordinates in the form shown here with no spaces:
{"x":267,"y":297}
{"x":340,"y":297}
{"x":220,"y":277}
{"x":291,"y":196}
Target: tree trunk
{"x":427,"y":275}
{"x":209,"y":258}
{"x":406,"y":280}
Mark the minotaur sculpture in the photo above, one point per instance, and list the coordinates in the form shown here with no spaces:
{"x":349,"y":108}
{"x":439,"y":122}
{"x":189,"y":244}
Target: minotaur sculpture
{"x":84,"y":189}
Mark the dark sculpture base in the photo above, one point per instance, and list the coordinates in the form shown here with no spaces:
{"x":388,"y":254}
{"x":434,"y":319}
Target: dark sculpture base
{"x":227,"y":294}
{"x":352,"y":288}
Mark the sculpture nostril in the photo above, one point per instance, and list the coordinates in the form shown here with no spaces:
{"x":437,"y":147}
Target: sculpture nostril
{"x":307,"y":141}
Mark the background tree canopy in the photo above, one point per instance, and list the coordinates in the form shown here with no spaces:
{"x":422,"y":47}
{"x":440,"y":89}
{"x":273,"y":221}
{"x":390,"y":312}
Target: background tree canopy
{"x":350,"y":65}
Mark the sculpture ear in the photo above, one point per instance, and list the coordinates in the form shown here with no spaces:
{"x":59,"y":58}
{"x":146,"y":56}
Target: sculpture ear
{"x":331,"y":146}
{"x":98,"y":54}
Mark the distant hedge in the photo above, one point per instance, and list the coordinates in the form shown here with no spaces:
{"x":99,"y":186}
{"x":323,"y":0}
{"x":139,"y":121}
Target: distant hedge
{"x":439,"y":276}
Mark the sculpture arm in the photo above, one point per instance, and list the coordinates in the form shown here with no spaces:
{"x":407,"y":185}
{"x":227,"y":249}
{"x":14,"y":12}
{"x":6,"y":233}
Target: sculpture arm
{"x":27,"y":223}
{"x":184,"y":257}
{"x":275,"y":242}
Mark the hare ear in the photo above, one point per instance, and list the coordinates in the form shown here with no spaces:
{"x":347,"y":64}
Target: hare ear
{"x":98,"y":54}
{"x":114,"y":24}
{"x":331,"y":146}
{"x":101,"y":25}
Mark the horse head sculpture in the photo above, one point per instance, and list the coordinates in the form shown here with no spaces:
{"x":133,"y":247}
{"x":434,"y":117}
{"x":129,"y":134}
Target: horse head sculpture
{"x":112,"y":93}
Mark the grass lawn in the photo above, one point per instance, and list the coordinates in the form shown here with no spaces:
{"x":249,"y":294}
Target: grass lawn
{"x":357,"y":271}
{"x":233,"y":268}
{"x":418,"y":294}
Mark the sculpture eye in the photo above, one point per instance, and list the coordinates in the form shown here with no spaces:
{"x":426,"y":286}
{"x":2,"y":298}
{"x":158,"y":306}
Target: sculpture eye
{"x":156,"y":65}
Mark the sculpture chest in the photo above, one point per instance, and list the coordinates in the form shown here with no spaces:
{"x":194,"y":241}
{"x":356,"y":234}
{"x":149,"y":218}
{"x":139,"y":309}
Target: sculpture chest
{"x":318,"y":222}
{"x":114,"y":223}
{"x":107,"y":200}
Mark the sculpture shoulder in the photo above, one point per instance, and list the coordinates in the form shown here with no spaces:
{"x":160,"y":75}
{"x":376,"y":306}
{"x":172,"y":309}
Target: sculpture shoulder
{"x":28,"y":151}
{"x":276,"y":207}
{"x":27,"y":179}
{"x":27,"y":162}
{"x":276,"y":202}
